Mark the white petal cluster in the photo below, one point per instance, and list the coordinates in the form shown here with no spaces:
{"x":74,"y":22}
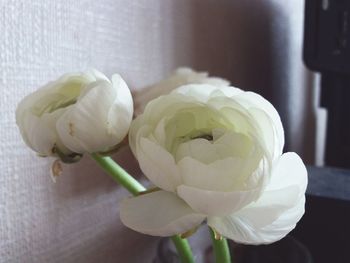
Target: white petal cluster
{"x":216,"y":154}
{"x":180,"y":77}
{"x":77,"y":113}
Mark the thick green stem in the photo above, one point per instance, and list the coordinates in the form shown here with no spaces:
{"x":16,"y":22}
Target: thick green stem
{"x":183,"y":249}
{"x":118,"y":174}
{"x":134,"y":187}
{"x":221,"y":249}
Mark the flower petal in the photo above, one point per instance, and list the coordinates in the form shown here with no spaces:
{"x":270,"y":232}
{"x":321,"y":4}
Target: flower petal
{"x":165,"y":106}
{"x":262,"y":222}
{"x":266,"y":132}
{"x":121,"y":111}
{"x":203,"y":92}
{"x":198,"y":149}
{"x":158,"y":165}
{"x":84,"y":127}
{"x":230,"y":174}
{"x":289,"y":170}
{"x":37,"y":134}
{"x":228,"y":143}
{"x":251,"y":99}
{"x":214,"y":202}
{"x":275,"y":213}
{"x":135,"y":126}
{"x":158,"y":213}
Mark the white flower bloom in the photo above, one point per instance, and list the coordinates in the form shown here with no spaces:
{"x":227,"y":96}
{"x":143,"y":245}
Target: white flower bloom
{"x":77,"y":113}
{"x":216,"y":154}
{"x":180,"y":77}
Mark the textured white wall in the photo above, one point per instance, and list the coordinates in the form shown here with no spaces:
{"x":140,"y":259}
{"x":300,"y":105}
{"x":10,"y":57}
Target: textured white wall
{"x":76,"y":219}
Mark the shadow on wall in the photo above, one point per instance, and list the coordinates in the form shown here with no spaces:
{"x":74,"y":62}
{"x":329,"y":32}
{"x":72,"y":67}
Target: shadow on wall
{"x":257,"y":45}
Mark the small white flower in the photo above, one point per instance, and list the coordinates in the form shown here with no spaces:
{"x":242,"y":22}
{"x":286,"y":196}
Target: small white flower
{"x":216,"y":154}
{"x":180,"y":77}
{"x":77,"y":113}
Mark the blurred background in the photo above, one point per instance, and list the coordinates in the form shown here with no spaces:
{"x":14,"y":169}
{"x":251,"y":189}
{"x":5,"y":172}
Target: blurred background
{"x":257,"y":45}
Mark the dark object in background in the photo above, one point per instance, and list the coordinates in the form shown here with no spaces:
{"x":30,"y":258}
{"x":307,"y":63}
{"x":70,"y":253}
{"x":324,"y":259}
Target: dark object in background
{"x":327,"y":50}
{"x":287,"y":250}
{"x":324,"y":228}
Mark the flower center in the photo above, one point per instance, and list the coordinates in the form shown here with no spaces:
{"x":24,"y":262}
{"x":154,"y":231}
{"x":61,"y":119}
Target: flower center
{"x":204,"y":134}
{"x":197,"y":123}
{"x":208,"y":137}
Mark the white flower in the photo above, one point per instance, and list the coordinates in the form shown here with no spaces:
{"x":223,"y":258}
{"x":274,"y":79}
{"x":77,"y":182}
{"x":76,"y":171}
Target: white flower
{"x":216,"y":155}
{"x":180,"y":77}
{"x":77,"y":113}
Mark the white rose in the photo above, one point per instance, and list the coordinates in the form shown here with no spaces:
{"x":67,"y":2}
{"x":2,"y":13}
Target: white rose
{"x":216,"y":155}
{"x":77,"y":113}
{"x":180,"y":77}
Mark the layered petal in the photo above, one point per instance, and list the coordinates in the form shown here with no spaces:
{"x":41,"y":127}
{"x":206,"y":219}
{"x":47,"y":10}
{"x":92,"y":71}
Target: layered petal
{"x":201,"y":92}
{"x":222,"y":144}
{"x":254,"y":100}
{"x":289,"y":170}
{"x":165,"y":106}
{"x":275,"y":213}
{"x":121,"y":112}
{"x":88,"y":126}
{"x":266,"y":132}
{"x":37,"y":134}
{"x":204,"y":92}
{"x":158,"y":213}
{"x":158,"y":165}
{"x":216,"y":202}
{"x":52,"y":94}
{"x":249,"y":121}
{"x":229,"y":174}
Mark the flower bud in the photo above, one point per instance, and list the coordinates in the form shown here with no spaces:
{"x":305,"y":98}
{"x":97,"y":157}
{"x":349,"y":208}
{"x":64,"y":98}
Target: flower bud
{"x":75,"y":114}
{"x":180,"y":77}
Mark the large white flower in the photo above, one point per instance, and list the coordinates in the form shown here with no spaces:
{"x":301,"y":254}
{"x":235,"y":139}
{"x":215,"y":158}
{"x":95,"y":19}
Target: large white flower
{"x":77,"y":113}
{"x":216,"y":155}
{"x":180,"y":77}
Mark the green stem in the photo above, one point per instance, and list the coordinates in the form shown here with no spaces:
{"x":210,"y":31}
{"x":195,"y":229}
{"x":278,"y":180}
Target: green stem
{"x":221,"y":249}
{"x":183,"y":249}
{"x":118,"y":174}
{"x":134,"y":187}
